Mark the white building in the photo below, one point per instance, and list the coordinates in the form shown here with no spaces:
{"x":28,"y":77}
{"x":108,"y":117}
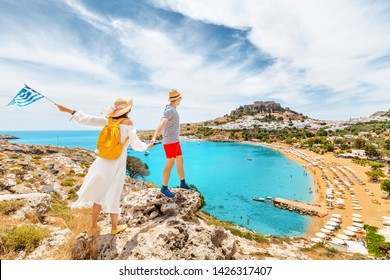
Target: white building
{"x":359,"y":153}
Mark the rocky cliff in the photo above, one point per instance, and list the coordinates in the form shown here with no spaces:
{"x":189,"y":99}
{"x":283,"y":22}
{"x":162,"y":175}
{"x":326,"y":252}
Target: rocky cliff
{"x":262,"y":108}
{"x":37,"y":184}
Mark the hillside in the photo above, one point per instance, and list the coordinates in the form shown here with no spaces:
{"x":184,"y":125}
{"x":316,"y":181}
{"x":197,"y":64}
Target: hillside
{"x":263,"y":108}
{"x":38,"y":183}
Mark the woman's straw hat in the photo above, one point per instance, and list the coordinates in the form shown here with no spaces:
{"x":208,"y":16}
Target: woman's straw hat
{"x":121,"y":106}
{"x":174,"y":95}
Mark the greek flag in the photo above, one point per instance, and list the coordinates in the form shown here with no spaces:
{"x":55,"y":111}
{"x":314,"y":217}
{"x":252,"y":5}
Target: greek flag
{"x":25,"y":97}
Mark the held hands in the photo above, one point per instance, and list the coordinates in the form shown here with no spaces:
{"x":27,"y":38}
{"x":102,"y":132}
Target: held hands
{"x":150,"y":145}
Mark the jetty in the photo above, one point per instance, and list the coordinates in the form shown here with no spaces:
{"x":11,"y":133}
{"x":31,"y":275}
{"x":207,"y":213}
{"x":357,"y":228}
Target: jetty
{"x":299,"y":207}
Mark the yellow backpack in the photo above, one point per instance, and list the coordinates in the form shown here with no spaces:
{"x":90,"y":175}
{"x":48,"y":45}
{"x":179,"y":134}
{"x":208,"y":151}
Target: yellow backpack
{"x":109,"y":144}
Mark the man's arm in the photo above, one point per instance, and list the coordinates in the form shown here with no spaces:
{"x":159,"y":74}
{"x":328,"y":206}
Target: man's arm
{"x":159,"y":128}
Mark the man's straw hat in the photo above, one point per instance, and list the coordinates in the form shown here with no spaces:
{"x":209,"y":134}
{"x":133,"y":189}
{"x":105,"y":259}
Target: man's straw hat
{"x":174,"y":95}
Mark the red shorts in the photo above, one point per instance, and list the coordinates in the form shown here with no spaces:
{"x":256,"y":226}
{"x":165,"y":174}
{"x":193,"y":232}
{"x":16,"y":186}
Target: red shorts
{"x":172,"y":150}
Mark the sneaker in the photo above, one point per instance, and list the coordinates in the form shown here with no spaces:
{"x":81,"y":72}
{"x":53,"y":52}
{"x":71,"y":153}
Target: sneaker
{"x":187,"y":187}
{"x":118,"y":229}
{"x":165,"y":191}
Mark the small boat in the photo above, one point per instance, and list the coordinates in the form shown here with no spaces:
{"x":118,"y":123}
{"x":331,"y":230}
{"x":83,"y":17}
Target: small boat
{"x":269,"y":197}
{"x":146,"y":153}
{"x":256,"y":198}
{"x":249,"y":158}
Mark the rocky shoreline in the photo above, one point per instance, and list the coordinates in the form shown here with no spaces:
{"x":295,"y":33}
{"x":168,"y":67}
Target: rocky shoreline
{"x":8,"y":137}
{"x":38,"y":183}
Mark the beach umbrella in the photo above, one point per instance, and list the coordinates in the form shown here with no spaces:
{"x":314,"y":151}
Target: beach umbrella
{"x":351,"y":189}
{"x":385,"y":218}
{"x":321,"y":235}
{"x":357,"y":208}
{"x":349,"y":232}
{"x":356,"y":215}
{"x":331,"y":223}
{"x":386,"y":222}
{"x":338,"y":193}
{"x":342,"y":236}
{"x":326,"y":231}
{"x":335,"y":220}
{"x":357,"y":225}
{"x":336,"y":215}
{"x":357,"y":220}
{"x":352,"y":228}
{"x":329,"y":227}
{"x":338,"y":241}
{"x":316,"y":240}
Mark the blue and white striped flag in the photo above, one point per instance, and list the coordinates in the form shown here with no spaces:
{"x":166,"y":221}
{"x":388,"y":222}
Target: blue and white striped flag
{"x":25,"y":97}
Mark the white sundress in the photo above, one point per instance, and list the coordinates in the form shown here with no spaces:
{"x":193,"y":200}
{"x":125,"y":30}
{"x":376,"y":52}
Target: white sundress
{"x":104,"y":181}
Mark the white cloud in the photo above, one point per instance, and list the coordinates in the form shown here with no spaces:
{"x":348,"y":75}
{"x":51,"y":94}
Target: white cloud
{"x":89,"y":58}
{"x":321,"y":43}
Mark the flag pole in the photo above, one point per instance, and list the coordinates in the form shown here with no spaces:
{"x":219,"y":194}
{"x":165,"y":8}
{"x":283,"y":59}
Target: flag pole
{"x":41,"y":94}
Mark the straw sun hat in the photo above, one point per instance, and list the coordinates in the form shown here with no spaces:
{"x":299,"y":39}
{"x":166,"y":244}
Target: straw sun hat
{"x":174,"y":94}
{"x":121,"y":106}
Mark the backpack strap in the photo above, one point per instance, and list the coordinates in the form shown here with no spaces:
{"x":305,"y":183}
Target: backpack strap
{"x":118,"y":122}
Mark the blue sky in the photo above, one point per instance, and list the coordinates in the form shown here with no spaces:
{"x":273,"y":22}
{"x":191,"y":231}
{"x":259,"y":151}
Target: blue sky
{"x":326,"y":59}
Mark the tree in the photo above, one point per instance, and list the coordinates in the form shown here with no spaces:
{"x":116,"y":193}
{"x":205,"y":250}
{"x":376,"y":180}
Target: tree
{"x":360,"y":143}
{"x":385,"y":185}
{"x":372,"y":151}
{"x":387,"y":144}
{"x":375,"y":174}
{"x":377,"y":165}
{"x":136,"y":167}
{"x":322,"y":132}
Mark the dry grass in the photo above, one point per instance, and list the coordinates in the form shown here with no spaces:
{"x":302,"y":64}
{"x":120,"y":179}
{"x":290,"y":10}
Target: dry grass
{"x":81,"y":222}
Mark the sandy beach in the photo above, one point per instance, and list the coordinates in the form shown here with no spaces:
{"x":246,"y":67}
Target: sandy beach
{"x":340,"y":172}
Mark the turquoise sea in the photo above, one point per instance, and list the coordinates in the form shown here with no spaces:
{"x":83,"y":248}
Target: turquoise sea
{"x":224,"y":175}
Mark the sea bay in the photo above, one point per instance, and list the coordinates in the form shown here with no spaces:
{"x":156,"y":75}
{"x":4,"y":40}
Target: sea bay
{"x":227,"y":174}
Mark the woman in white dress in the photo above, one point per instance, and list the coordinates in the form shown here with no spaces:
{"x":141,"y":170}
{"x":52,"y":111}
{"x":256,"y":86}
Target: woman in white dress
{"x":103,"y":184}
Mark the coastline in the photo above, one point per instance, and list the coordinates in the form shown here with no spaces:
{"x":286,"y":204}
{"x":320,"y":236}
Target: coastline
{"x":315,"y":222}
{"x":372,"y":204}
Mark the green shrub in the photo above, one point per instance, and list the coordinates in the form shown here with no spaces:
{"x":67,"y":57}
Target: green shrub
{"x":68,"y":182}
{"x":7,"y":207}
{"x":248,"y":235}
{"x":376,"y":244}
{"x":59,"y":208}
{"x":72,"y":193}
{"x":25,"y":237}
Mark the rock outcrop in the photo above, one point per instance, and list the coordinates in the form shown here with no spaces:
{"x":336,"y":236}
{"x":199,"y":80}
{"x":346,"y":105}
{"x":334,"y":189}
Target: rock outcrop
{"x":159,"y":228}
{"x":37,"y":204}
